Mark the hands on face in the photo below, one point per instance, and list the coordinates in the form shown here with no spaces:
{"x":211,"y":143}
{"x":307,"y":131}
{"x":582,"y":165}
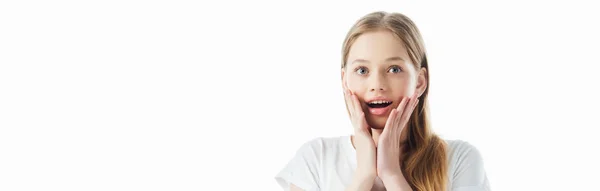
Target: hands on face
{"x":383,"y":160}
{"x":389,"y":148}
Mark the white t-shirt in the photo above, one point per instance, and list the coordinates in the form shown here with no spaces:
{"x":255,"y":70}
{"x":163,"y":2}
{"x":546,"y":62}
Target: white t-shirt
{"x":328,"y":163}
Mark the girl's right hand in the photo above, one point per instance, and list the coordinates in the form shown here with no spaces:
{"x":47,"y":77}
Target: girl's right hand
{"x":366,"y":169}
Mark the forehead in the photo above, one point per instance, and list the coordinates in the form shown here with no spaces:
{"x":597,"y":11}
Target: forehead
{"x":377,"y":46}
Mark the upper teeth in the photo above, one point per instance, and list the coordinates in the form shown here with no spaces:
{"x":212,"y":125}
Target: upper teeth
{"x":379,"y":102}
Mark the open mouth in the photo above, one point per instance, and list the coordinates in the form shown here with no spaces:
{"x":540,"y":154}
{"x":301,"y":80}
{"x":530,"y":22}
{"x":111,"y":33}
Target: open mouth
{"x":379,"y":104}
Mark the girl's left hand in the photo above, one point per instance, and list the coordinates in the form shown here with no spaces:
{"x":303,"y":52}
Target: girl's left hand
{"x":388,"y":147}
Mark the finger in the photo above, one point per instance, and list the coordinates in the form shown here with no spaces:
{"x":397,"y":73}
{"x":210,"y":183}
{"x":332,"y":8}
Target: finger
{"x":410,"y":106}
{"x":360,"y":115}
{"x":402,"y":105}
{"x":362,"y":123}
{"x":391,"y":118}
{"x":415,"y":106}
{"x":390,"y":123}
{"x":408,"y":111}
{"x":416,"y":102}
{"x":399,"y":113}
{"x":356,"y":105}
{"x":400,"y":120}
{"x":348,"y":100}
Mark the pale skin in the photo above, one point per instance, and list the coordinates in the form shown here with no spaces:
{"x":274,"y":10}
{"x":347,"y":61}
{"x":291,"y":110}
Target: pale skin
{"x":379,"y":67}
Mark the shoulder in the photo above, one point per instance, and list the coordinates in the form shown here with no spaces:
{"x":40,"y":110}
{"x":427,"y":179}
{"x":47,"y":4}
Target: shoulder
{"x":466,"y":166}
{"x":462,"y":154}
{"x":461,"y":148}
{"x":321,"y":151}
{"x":319,"y":145}
{"x":305,"y":169}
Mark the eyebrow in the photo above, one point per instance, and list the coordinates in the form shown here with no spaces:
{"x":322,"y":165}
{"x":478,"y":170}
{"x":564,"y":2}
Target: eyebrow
{"x":395,"y":58}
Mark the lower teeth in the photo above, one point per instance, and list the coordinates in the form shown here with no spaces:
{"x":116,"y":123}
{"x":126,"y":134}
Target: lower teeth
{"x":378,"y":105}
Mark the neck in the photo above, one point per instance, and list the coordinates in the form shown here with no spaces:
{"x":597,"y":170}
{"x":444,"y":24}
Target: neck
{"x":375,"y":133}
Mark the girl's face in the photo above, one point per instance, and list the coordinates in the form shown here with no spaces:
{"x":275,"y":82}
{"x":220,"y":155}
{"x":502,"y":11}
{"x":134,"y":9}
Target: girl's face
{"x":380,"y":73}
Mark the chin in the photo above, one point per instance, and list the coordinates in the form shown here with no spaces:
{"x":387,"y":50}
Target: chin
{"x":376,"y":122}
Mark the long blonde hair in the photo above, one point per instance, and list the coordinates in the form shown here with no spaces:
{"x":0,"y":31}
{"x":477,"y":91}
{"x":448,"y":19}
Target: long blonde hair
{"x":424,"y":163}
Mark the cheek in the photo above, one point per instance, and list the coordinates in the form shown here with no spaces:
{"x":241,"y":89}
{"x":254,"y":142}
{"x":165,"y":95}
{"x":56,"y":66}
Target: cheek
{"x":355,"y":84}
{"x":358,"y":86}
{"x":402,"y":88}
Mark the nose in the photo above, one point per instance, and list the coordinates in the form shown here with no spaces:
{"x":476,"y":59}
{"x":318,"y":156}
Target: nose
{"x":378,"y":83}
{"x":373,"y":89}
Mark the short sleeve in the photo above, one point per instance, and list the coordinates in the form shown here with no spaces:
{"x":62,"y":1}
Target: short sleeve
{"x":302,"y":169}
{"x":469,"y":174}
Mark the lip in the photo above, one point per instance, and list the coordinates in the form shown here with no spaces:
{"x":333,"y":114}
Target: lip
{"x":378,"y":98}
{"x":379,"y":111}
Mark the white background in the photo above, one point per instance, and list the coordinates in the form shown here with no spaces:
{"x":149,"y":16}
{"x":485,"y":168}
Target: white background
{"x":182,"y":95}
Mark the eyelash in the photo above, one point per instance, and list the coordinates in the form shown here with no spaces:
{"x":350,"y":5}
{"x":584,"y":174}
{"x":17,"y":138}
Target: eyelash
{"x":356,"y":70}
{"x":396,"y":67}
{"x":392,"y":67}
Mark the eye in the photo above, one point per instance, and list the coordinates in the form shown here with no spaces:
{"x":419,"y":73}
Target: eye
{"x":362,"y":70}
{"x":395,"y":69}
